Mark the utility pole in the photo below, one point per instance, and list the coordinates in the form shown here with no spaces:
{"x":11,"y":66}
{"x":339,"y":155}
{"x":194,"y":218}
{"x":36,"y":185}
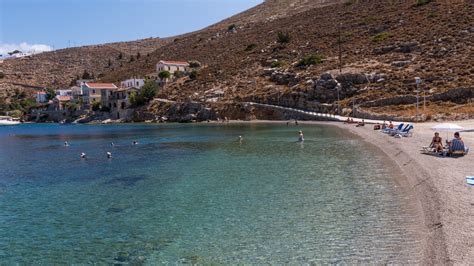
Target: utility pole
{"x":418,"y":82}
{"x":338,"y":87}
{"x":340,"y":48}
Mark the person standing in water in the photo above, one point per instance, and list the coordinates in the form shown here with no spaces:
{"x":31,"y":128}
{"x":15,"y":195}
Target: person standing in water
{"x":301,"y":137}
{"x":66,"y":144}
{"x":241,"y":139}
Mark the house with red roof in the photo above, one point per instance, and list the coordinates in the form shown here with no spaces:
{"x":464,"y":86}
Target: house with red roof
{"x":97,"y":93}
{"x":60,"y":102}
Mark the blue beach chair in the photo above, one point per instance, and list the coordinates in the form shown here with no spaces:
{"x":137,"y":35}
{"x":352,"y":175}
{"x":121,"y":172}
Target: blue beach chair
{"x":406,"y":128}
{"x":390,"y":130}
{"x":470,"y":180}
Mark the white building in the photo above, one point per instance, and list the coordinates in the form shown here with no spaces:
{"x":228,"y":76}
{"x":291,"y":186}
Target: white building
{"x":132,"y":83}
{"x":172,"y":66}
{"x":64,"y":92}
{"x":41,"y":97}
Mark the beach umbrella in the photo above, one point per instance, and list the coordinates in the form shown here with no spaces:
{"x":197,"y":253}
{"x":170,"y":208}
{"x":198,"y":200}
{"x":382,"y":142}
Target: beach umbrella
{"x":447,"y":127}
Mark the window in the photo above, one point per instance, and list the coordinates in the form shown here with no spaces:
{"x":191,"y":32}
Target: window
{"x":137,"y":84}
{"x":93,"y":91}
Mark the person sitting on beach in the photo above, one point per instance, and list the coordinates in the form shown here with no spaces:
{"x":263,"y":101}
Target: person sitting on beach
{"x":347,"y":121}
{"x":457,"y":144}
{"x":377,"y":126}
{"x":384,"y":125}
{"x":361,"y":124}
{"x":390,"y":125}
{"x":437,"y":143}
{"x":301,"y":137}
{"x":351,"y":121}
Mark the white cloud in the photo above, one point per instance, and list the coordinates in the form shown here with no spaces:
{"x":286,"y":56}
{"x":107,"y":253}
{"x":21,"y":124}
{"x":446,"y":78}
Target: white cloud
{"x":24,"y":47}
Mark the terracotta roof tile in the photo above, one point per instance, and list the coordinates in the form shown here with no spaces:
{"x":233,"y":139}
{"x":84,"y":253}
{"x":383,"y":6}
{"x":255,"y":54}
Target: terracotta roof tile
{"x":174,"y":62}
{"x":63,"y":98}
{"x":101,"y":85}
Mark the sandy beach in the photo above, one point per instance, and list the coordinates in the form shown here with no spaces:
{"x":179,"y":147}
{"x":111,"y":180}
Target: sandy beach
{"x":446,"y":201}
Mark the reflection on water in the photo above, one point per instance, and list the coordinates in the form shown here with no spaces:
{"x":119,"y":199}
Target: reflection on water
{"x":195,"y":194}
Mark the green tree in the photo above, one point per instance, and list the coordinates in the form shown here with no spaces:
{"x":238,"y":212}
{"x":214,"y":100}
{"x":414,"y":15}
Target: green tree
{"x":50,"y":94}
{"x":193,"y":75}
{"x":136,"y":99}
{"x":96,"y":106}
{"x":86,"y":75}
{"x":194,"y":64}
{"x":164,"y":75}
{"x":231,"y":28}
{"x":148,"y":91}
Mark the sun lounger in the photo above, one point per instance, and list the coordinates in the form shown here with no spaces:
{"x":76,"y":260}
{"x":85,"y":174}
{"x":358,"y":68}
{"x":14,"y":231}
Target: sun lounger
{"x":470,"y":180}
{"x":405,"y":132}
{"x":390,"y":130}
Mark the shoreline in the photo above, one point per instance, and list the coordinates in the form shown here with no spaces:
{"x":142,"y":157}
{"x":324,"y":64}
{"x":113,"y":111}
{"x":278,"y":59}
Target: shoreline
{"x":444,"y":201}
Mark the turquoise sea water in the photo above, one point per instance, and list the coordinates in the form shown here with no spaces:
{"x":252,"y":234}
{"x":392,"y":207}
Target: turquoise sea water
{"x":194,"y":194}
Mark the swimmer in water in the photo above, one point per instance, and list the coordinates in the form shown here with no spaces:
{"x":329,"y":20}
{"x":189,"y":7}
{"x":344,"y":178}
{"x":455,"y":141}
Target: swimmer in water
{"x":241,"y":139}
{"x":301,"y":137}
{"x":134,"y":142}
{"x":109,"y":155}
{"x":83,"y":156}
{"x":66,"y":144}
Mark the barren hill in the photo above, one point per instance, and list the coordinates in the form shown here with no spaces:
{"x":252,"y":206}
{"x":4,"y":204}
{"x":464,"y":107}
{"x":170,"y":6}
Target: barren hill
{"x":385,"y":45}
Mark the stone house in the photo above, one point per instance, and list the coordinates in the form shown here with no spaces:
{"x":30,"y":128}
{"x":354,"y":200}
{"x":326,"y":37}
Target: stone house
{"x":119,"y":103}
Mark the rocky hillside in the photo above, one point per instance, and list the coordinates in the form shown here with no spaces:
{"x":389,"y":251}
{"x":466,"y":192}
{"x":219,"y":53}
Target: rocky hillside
{"x":385,"y":45}
{"x":286,"y":52}
{"x":60,"y":67}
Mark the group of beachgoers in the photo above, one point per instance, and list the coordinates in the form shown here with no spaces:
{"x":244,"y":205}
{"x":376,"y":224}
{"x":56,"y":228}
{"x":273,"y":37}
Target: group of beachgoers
{"x":451,"y":148}
{"x":108,"y":154}
{"x":454,"y":147}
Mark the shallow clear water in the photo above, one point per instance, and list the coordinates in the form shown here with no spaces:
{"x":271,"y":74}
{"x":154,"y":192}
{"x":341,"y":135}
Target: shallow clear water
{"x":193,"y":193}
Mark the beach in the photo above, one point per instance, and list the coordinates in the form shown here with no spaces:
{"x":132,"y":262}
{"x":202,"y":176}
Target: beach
{"x":439,"y":184}
{"x":445,"y":201}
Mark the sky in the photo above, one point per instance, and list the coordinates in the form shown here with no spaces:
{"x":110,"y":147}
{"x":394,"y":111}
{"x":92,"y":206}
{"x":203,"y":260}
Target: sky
{"x":44,"y":25}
